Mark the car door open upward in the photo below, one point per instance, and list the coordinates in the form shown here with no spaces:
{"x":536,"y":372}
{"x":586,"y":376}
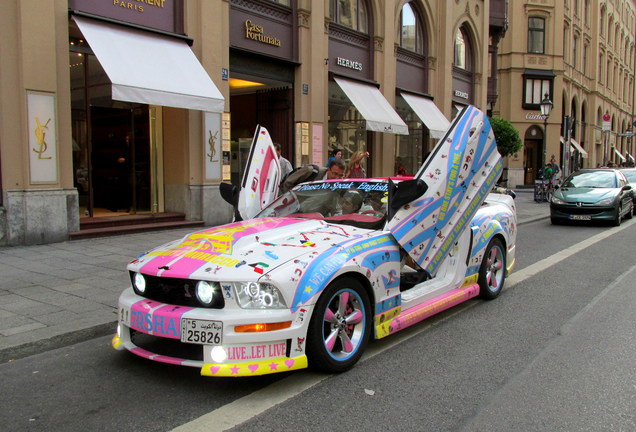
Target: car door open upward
{"x":459,"y":174}
{"x":261,"y":179}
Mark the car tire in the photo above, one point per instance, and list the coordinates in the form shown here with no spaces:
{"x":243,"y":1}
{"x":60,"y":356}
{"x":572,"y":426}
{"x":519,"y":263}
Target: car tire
{"x":619,"y":215}
{"x":630,"y":213}
{"x":555,"y":221}
{"x":340,"y":327}
{"x":492,"y":271}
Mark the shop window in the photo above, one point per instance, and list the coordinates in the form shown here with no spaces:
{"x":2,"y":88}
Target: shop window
{"x":411,"y":149}
{"x":536,"y":35}
{"x":411,"y":34}
{"x":534,"y":91}
{"x":462,"y":60}
{"x":347,"y":127}
{"x":350,"y":13}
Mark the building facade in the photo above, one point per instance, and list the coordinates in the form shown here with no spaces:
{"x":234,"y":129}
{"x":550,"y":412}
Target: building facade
{"x":120,"y":107}
{"x":580,"y":53}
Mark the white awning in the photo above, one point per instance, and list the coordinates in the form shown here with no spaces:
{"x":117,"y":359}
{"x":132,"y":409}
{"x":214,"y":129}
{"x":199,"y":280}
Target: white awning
{"x":574,"y":145}
{"x":428,"y":112}
{"x":631,"y":158}
{"x":620,"y":156}
{"x":578,"y":147}
{"x":150,"y":68}
{"x":373,"y":106}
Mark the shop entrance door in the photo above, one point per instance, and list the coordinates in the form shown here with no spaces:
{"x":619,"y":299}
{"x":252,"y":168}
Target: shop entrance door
{"x":120,"y":167}
{"x":531,"y":165}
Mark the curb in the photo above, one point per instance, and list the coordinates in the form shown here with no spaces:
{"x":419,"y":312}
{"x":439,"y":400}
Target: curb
{"x":21,"y":351}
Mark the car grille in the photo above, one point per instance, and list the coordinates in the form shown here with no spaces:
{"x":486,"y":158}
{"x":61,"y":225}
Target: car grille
{"x":167,"y":347}
{"x":175,"y":291}
{"x":583,"y":210}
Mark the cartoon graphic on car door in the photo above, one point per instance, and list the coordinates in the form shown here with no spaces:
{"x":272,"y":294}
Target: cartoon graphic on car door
{"x":261,"y":179}
{"x":459,"y":174}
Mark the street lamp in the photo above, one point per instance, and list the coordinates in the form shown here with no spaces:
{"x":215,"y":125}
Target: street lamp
{"x":546,"y":107}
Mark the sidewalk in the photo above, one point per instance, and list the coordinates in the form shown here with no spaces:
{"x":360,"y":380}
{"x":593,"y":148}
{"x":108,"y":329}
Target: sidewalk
{"x":63,"y":293}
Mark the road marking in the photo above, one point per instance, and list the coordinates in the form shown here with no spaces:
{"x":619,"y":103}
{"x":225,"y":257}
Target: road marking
{"x":539,"y":266}
{"x":245,"y":408}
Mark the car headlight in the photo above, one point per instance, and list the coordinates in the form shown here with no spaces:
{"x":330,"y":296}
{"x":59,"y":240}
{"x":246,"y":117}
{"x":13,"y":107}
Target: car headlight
{"x":207,"y":292}
{"x":556,"y":200}
{"x":606,"y":201}
{"x":254,"y":295}
{"x":139,"y":284}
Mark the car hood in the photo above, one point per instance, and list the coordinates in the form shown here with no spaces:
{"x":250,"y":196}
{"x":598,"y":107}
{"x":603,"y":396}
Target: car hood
{"x":236,"y":251}
{"x":585,"y":194}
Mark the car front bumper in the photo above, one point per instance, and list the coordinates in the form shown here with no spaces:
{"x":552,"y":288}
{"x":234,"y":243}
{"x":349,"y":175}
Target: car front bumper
{"x":585,"y":212}
{"x":154,"y":331}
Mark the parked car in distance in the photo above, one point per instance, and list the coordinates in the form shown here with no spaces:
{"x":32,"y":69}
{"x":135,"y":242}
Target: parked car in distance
{"x":630,"y":175}
{"x":593,"y":195}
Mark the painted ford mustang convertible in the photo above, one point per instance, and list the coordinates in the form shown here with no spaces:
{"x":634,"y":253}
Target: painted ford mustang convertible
{"x":307,"y":278}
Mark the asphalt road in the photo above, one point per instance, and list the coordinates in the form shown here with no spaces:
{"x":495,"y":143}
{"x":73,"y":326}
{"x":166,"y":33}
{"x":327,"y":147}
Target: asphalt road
{"x":555,"y":352}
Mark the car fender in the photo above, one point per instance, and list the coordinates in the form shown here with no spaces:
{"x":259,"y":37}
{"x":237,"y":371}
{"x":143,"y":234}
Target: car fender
{"x":375,"y":257}
{"x":489,"y":223}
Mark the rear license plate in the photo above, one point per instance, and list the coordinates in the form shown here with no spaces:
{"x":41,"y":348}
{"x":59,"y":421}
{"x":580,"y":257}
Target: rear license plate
{"x":581,"y":217}
{"x":202,"y":332}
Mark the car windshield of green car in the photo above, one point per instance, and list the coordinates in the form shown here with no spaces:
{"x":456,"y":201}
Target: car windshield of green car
{"x":594,"y":179}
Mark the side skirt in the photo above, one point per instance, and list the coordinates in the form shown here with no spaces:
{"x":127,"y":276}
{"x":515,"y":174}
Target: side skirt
{"x":425,"y":310}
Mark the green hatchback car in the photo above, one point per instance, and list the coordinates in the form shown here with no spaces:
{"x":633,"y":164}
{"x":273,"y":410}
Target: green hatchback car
{"x":593,"y":195}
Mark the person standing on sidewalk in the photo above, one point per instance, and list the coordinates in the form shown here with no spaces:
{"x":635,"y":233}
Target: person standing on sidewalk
{"x":285,"y":165}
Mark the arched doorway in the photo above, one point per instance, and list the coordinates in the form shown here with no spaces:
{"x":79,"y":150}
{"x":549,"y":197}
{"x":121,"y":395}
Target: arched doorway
{"x":532,"y":153}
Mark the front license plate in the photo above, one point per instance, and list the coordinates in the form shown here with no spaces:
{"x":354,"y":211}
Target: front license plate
{"x":581,"y":217}
{"x":202,"y":332}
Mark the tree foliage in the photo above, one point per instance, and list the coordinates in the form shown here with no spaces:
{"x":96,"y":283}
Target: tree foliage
{"x":507,"y":137}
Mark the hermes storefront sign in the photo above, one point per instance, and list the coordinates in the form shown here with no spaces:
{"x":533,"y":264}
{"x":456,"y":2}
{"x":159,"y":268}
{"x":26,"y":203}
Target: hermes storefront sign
{"x":350,"y":64}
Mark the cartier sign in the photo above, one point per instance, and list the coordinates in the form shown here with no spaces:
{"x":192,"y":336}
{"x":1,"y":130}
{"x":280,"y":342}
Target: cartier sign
{"x":257,"y":32}
{"x":534,"y":116}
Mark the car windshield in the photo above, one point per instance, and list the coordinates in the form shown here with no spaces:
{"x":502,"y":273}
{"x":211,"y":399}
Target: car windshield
{"x":631,"y":175}
{"x":357,"y":203}
{"x":591,"y":179}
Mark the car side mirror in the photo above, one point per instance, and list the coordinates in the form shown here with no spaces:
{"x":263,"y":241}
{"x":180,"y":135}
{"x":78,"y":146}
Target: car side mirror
{"x":229,"y":193}
{"x":404,"y":193}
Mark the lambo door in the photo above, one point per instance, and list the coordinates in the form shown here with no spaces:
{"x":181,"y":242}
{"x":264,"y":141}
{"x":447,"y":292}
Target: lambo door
{"x":261,"y":178}
{"x":459,"y":174}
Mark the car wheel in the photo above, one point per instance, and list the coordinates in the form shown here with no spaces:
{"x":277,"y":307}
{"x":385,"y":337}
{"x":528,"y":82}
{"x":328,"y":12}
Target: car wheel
{"x":492,"y":271}
{"x":619,"y":215}
{"x":340,"y":327}
{"x":630,"y":213}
